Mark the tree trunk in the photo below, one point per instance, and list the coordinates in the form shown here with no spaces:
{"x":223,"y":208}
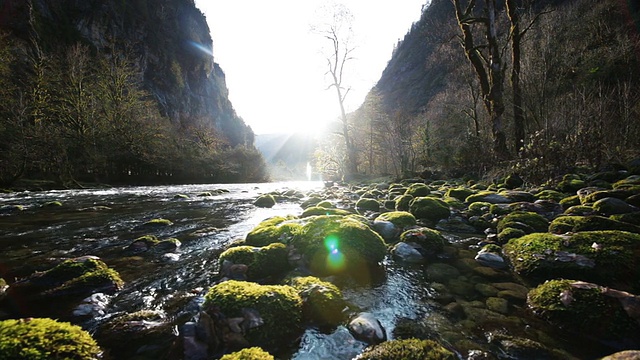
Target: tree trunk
{"x":518,"y":113}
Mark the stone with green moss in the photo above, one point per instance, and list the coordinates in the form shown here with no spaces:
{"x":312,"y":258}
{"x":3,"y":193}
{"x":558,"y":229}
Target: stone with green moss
{"x":153,"y":223}
{"x":252,"y":353}
{"x":631,"y":181}
{"x":279,"y":306}
{"x":276,"y":229}
{"x":570,"y":201}
{"x":146,"y":333}
{"x":368,"y":204}
{"x":606,"y":257}
{"x":262,"y":262}
{"x":510,"y":233}
{"x":428,"y":208}
{"x":585,"y":308}
{"x":401,"y":219}
{"x":334,"y":244}
{"x":180,"y":196}
{"x":460,"y":193}
{"x":322,"y":302}
{"x":418,"y":190}
{"x":479,"y":208}
{"x":407,"y":349}
{"x":265,"y":201}
{"x":430,"y":241}
{"x":550,"y":195}
{"x":491,"y":197}
{"x":52,"y":204}
{"x":630,"y":218}
{"x":317,"y":211}
{"x":579,"y":210}
{"x":44,"y":339}
{"x":533,"y":222}
{"x":402,"y":202}
{"x":564,"y":224}
{"x":500,"y":209}
{"x":513,"y":347}
{"x":612,"y":206}
{"x":325,"y":204}
{"x":571,"y":185}
{"x":620,"y":193}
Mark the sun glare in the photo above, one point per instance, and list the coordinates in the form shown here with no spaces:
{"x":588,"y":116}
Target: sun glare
{"x":335,"y":258}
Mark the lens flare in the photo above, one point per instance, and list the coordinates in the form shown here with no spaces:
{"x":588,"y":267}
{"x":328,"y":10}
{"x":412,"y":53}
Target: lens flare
{"x":335,"y":258}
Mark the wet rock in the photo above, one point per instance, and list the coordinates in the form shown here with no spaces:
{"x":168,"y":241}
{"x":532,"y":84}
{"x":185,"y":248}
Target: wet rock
{"x":261,"y":262}
{"x":157,"y":223}
{"x":409,"y":253}
{"x":265,"y":201}
{"x":365,"y":327}
{"x":322,"y":302}
{"x":488,"y":197}
{"x":490,"y":259}
{"x":93,"y":306}
{"x":486,"y":290}
{"x":456,"y":225}
{"x":409,"y":349}
{"x":440,"y":272}
{"x":496,"y":304}
{"x":388,"y":230}
{"x":193,"y":348}
{"x":431,"y":241}
{"x":510,"y":290}
{"x":462,"y":287}
{"x":522,"y":348}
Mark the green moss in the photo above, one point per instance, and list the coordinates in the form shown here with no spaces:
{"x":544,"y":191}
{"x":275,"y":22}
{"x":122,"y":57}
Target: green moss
{"x":481,"y":196}
{"x":72,"y":276}
{"x":400,"y":219}
{"x":43,"y":339}
{"x":322,"y":301}
{"x":253,"y":353}
{"x":631,"y":181}
{"x":316,"y":211}
{"x":368,"y":204}
{"x":157,"y":223}
{"x":325,"y":204}
{"x":534,"y":221}
{"x":479,"y":208}
{"x":263,"y":262}
{"x":550,"y":195}
{"x":280,"y":307}
{"x":275,"y":229}
{"x":579,"y":210}
{"x":149,"y":240}
{"x":312,"y":201}
{"x":265,"y":201}
{"x":180,"y":196}
{"x":630,"y":218}
{"x":429,"y":208}
{"x":402,"y":202}
{"x":564,"y":224}
{"x":408,"y":349}
{"x":52,"y":204}
{"x":510,"y":233}
{"x":431,"y":241}
{"x":620,"y":193}
{"x":333,"y":244}
{"x":570,"y":201}
{"x":606,"y":257}
{"x":581,"y":308}
{"x":499,"y":209}
{"x":460,"y":193}
{"x":570,"y":186}
{"x":418,"y":189}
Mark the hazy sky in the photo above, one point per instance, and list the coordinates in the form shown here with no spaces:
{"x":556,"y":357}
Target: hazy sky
{"x":274,"y":64}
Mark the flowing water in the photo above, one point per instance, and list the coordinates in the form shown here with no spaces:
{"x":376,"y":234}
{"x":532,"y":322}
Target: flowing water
{"x":103,"y":222}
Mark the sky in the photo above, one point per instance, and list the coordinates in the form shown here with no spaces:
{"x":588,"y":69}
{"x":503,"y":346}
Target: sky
{"x":275,"y":65}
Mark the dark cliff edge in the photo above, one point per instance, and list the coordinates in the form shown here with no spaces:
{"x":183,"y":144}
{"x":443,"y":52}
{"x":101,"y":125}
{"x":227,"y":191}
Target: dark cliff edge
{"x":169,"y":39}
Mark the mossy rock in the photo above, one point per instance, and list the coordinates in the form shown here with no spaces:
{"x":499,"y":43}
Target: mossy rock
{"x":518,"y":196}
{"x":265,"y":201}
{"x":564,"y":224}
{"x":280,"y":307}
{"x":334,"y":244}
{"x":368,"y":204}
{"x":513,"y":181}
{"x":322,"y":302}
{"x":402,"y":202}
{"x":153,"y":223}
{"x":44,"y":339}
{"x":431,"y":241}
{"x":532,"y":220}
{"x":52,"y":204}
{"x":606,"y":257}
{"x":550,"y":195}
{"x":583,"y":308}
{"x":401,"y":219}
{"x":266,"y":261}
{"x":512,"y":347}
{"x":500,"y":209}
{"x":180,"y":196}
{"x":460,"y":193}
{"x":621,"y":193}
{"x":510,"y":233}
{"x":326,"y":204}
{"x":276,"y":229}
{"x":479,"y":208}
{"x":407,"y":349}
{"x":579,"y":210}
{"x":418,"y":190}
{"x":570,"y":201}
{"x":630,"y":181}
{"x":252,"y":353}
{"x":570,"y":186}
{"x":311,"y":201}
{"x":317,"y":211}
{"x":429,"y":208}
{"x":487,"y":196}
{"x":145,"y":333}
{"x":630,"y":218}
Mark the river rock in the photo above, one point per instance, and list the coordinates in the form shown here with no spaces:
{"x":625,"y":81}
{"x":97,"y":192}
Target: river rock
{"x":490,"y":259}
{"x":388,"y":230}
{"x":93,"y":306}
{"x":409,"y":253}
{"x":365,"y":327}
{"x":612,"y":206}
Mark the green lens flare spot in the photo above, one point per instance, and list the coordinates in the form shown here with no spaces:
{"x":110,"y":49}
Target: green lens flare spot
{"x":335,"y":258}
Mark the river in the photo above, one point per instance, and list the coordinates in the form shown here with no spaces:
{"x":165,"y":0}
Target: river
{"x":103,"y":222}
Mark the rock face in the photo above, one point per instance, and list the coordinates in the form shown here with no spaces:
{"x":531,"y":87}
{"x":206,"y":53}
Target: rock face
{"x":169,"y":40}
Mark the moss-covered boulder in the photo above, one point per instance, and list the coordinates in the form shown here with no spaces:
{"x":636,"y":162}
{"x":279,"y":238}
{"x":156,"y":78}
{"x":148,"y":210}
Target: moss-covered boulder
{"x":629,"y":218}
{"x":479,"y":208}
{"x":252,"y":353}
{"x":407,"y":349}
{"x":491,"y":197}
{"x":579,"y":210}
{"x":151,"y":242}
{"x":45,"y":339}
{"x":401,"y":219}
{"x":606,"y":257}
{"x":570,"y":201}
{"x":418,"y":190}
{"x":279,"y":306}
{"x":402,"y":202}
{"x":262,"y":262}
{"x":57,"y":290}
{"x":460,"y":193}
{"x":588,"y":309}
{"x":550,"y":195}
{"x":52,"y":204}
{"x":428,"y":208}
{"x":276,"y":229}
{"x":322,"y":302}
{"x":430,"y":241}
{"x":157,"y":223}
{"x":528,"y":222}
{"x":612,"y":206}
{"x":513,"y":181}
{"x":510,"y":233}
{"x":265,"y":201}
{"x":565,"y":224}
{"x":367,"y":204}
{"x":317,"y":211}
{"x":336,"y":244}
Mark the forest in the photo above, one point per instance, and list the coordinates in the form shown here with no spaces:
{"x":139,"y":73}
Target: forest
{"x":553,"y":90}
